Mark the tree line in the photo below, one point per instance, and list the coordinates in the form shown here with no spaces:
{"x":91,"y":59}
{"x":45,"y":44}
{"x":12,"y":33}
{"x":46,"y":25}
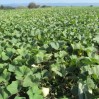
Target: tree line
{"x":30,"y":6}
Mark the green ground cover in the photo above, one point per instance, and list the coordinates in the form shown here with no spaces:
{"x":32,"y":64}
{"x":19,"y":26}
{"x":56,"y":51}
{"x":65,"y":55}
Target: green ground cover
{"x":52,"y":48}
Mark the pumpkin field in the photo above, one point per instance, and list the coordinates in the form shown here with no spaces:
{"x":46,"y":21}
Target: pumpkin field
{"x":49,"y":53}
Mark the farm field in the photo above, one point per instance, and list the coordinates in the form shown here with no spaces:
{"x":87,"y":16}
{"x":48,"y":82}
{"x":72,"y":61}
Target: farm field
{"x":49,"y":53}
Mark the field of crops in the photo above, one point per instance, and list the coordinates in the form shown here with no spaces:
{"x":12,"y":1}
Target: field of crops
{"x":50,"y":53}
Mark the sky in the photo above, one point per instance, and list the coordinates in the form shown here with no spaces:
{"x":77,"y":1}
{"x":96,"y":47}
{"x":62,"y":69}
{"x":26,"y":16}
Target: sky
{"x":47,"y":1}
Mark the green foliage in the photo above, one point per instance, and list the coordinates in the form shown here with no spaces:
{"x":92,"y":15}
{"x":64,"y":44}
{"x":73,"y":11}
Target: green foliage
{"x":50,"y":53}
{"x":32,"y":5}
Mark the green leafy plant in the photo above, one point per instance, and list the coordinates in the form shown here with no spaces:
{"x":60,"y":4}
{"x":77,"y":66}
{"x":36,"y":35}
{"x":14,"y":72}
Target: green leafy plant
{"x":50,"y":53}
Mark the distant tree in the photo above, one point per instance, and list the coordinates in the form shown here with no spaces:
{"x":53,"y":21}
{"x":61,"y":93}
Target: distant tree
{"x":91,"y":5}
{"x":1,"y":7}
{"x":6,"y":7}
{"x":32,"y":5}
{"x":43,"y":6}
